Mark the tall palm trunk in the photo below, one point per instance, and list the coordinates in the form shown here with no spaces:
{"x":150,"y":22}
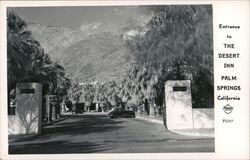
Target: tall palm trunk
{"x":151,"y":108}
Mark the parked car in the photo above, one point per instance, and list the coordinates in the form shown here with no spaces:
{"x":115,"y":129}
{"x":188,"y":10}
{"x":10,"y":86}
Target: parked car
{"x":79,"y":108}
{"x":122,"y":113}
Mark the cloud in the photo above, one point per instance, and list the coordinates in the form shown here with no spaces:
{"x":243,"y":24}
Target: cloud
{"x":86,"y":27}
{"x":97,"y":25}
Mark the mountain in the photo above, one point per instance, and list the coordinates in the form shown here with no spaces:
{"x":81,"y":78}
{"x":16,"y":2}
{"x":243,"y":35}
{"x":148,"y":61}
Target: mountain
{"x":56,"y":38}
{"x":86,"y":54}
{"x":52,"y":38}
{"x":100,"y":57}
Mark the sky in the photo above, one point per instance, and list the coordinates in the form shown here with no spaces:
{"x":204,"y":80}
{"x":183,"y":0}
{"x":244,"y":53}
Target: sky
{"x":108,"y":18}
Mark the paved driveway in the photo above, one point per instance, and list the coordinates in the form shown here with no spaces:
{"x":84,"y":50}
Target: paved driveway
{"x":97,"y":133}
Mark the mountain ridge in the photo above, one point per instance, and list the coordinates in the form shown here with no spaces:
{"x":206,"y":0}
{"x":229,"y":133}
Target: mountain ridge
{"x":86,"y":56}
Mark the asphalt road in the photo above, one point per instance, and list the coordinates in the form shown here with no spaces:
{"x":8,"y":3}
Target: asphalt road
{"x":100,"y":134}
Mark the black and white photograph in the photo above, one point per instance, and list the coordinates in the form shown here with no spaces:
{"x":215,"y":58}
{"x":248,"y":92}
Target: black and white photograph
{"x":110,"y":79}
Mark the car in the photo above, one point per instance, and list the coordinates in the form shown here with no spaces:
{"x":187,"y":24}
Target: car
{"x":122,"y":113}
{"x":79,"y":108}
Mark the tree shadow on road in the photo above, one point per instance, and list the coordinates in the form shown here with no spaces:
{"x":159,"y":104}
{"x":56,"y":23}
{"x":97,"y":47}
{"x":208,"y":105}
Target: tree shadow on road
{"x":58,"y":147}
{"x":68,"y":137}
{"x":84,"y":125}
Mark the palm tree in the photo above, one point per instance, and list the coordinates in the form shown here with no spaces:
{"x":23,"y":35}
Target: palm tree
{"x":27,"y":61}
{"x":178,"y":42}
{"x":17,"y":57}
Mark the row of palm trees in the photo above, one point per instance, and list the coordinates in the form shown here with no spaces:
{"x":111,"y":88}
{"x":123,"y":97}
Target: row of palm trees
{"x":176,"y":46}
{"x":27,"y":61}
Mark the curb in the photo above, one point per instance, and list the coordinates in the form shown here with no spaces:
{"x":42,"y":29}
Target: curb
{"x":86,"y":113}
{"x":191,"y":132}
{"x":194,"y":133}
{"x":52,"y":122}
{"x":149,"y":119}
{"x":14,"y":138}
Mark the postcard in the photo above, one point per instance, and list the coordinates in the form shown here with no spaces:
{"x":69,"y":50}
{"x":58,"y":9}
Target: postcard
{"x":124,"y":80}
